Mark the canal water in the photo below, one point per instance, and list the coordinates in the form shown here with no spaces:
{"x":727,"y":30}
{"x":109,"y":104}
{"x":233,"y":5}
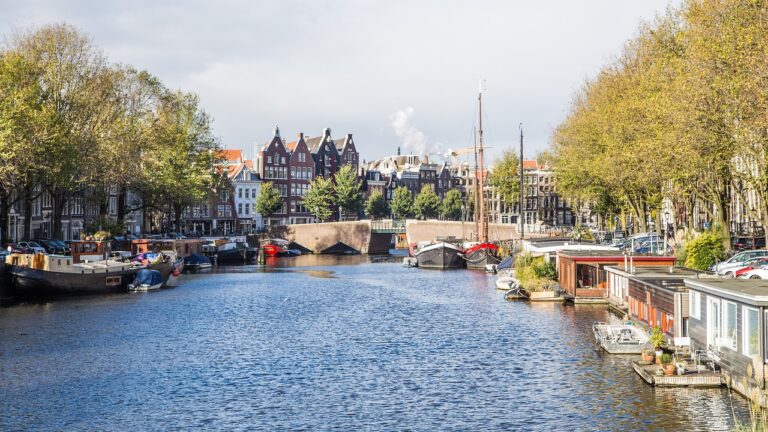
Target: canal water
{"x":328,"y":343}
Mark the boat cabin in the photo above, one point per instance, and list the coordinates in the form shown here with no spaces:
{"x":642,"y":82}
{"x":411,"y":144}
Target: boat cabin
{"x":581,"y":274}
{"x":183,"y":247}
{"x":549,"y":247}
{"x":729,"y":321}
{"x":89,"y":250}
{"x":653,"y":296}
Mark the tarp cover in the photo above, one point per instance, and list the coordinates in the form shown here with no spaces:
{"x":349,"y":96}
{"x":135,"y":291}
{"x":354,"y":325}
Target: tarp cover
{"x":508,"y":263}
{"x":148,"y":277}
{"x":197,"y":259}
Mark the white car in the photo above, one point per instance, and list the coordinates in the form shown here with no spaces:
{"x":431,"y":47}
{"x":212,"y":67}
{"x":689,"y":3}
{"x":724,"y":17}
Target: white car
{"x":727,"y":267}
{"x":758,"y":273}
{"x":30,"y":246}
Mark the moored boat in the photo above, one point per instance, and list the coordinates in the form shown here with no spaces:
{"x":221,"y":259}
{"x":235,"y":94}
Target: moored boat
{"x":146,"y":280}
{"x":197,"y":262}
{"x":57,"y":274}
{"x":620,"y":339}
{"x":440,"y":255}
{"x":481,"y":255}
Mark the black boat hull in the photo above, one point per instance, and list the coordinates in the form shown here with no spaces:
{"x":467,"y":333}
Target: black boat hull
{"x":440,"y":258}
{"x":479,"y":258}
{"x":31,"y":282}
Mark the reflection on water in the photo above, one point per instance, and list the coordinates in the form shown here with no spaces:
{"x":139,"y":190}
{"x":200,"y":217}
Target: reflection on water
{"x":327,"y":343}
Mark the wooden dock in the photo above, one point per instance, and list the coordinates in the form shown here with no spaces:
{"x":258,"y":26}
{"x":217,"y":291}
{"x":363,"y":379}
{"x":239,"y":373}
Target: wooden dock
{"x":689,"y":379}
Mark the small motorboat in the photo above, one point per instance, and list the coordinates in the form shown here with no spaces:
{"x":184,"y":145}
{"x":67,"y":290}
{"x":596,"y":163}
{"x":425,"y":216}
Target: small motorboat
{"x":410,"y":262}
{"x":197,"y":262}
{"x":146,"y":280}
{"x":507,"y":282}
{"x":620,"y":339}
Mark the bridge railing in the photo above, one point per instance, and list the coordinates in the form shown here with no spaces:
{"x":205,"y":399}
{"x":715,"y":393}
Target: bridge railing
{"x":388,"y":226}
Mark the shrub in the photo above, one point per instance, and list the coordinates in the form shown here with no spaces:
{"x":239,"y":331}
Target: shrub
{"x":666,"y":358}
{"x":534,"y":274}
{"x":703,"y":251}
{"x":657,"y":338}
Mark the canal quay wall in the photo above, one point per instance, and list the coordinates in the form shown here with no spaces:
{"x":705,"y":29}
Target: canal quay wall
{"x":360,"y":236}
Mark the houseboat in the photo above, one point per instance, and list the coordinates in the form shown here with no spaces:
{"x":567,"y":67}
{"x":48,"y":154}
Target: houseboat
{"x":653,"y":296}
{"x":481,"y":255}
{"x":87,"y":271}
{"x":581,"y":273}
{"x":440,"y":255}
{"x":728,"y":323}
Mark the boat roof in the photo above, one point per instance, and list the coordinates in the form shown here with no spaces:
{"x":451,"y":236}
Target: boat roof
{"x":751,"y":291}
{"x":658,"y":272}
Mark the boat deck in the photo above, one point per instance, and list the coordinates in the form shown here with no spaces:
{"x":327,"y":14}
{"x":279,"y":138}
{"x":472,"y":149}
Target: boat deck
{"x":690,"y":378}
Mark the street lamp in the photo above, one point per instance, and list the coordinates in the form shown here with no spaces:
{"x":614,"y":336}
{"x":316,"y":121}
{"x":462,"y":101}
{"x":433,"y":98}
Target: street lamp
{"x":666,"y":230}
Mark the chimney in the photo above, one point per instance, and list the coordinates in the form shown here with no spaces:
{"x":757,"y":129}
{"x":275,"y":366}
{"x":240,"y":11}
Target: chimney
{"x":277,"y":131}
{"x":349,"y":137}
{"x":301,"y":135}
{"x":398,"y":150}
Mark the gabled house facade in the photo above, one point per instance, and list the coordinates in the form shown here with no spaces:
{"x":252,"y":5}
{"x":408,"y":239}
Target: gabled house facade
{"x":273,"y":165}
{"x":301,"y":173}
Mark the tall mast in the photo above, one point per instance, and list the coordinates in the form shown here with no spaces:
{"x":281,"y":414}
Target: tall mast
{"x":476,"y":209}
{"x":522,"y":190}
{"x":483,"y":233}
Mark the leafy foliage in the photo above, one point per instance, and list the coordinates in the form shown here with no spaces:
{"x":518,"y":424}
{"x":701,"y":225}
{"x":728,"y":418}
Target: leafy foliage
{"x":452,"y":205}
{"x":377,"y":206}
{"x":269,"y":200}
{"x":703,"y":251}
{"x":402,"y":203}
{"x":427,"y":203}
{"x":347,"y":190}
{"x":505,"y":177}
{"x":534,"y":273}
{"x":319,"y":198}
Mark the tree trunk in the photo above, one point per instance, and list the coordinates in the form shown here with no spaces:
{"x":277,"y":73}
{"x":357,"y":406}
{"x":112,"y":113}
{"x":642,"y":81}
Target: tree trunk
{"x":177,"y":210}
{"x":4,"y":206}
{"x":27,"y":213}
{"x":59,"y":201}
{"x":122,"y":196}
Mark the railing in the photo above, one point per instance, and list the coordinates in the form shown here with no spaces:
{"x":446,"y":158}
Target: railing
{"x":388,"y":226}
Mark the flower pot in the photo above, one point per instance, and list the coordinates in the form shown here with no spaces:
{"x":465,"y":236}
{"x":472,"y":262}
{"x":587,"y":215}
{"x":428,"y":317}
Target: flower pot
{"x":658,"y":356}
{"x":648,"y":357}
{"x":669,"y":369}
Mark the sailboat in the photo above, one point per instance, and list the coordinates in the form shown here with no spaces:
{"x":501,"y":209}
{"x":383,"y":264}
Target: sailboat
{"x":480,"y":254}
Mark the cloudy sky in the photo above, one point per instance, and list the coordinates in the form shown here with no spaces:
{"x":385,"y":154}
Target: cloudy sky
{"x":393,"y":73}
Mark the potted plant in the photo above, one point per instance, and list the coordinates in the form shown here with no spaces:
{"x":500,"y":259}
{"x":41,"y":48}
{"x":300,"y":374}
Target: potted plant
{"x":647,"y":355}
{"x":680,"y":364}
{"x":666,"y":362}
{"x":657,"y":341}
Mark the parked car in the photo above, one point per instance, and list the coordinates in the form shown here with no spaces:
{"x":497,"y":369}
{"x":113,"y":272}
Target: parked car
{"x":727,"y":267}
{"x":758,"y":273}
{"x":741,"y":243}
{"x":29,"y":247}
{"x":52,"y":246}
{"x":654,"y":247}
{"x":751,"y":265}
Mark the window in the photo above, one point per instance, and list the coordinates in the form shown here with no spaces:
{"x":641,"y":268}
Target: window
{"x":239,"y":192}
{"x":269,"y":159}
{"x":714,"y":322}
{"x":253,"y":193}
{"x":729,"y":325}
{"x":282,"y":160}
{"x":239,"y":208}
{"x":247,"y":208}
{"x":694,"y":304}
{"x":751,"y":331}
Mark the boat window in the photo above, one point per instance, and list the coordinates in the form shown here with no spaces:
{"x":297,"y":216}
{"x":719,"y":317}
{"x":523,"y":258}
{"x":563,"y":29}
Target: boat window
{"x":729,"y":325}
{"x":714,"y":322}
{"x":751,"y":331}
{"x":694,"y":304}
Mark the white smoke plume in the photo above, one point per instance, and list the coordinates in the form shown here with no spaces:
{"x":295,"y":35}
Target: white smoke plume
{"x":413,"y":140}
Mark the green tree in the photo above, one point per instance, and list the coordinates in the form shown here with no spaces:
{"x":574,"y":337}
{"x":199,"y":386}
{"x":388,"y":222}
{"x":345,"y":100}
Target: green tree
{"x":452,"y":205}
{"x":347,"y":190}
{"x":269,"y":200}
{"x":703,"y":251}
{"x":319,"y":198}
{"x":427,"y":203}
{"x":402,"y":203}
{"x":376,"y":206}
{"x":505,"y":177}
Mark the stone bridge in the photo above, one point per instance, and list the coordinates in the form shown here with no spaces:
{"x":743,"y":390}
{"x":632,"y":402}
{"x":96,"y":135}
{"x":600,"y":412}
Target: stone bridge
{"x":366,"y":236}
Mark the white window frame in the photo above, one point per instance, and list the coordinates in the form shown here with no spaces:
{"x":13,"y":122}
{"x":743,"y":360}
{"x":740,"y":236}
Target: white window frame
{"x":694,"y":304}
{"x":713,"y":331}
{"x":745,"y":330}
{"x":724,"y":335}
